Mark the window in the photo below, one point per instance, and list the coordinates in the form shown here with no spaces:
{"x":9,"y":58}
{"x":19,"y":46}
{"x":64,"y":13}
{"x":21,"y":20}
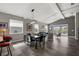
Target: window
{"x":16,"y":27}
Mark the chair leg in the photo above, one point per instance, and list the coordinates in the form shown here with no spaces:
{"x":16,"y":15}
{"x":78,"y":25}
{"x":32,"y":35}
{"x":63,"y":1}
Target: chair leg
{"x":40,"y":44}
{"x":1,"y":51}
{"x":31,"y":44}
{"x":36,"y":45}
{"x":10,"y":50}
{"x":43,"y":43}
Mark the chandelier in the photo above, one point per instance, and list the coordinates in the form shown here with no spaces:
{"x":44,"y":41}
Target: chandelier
{"x":34,"y":21}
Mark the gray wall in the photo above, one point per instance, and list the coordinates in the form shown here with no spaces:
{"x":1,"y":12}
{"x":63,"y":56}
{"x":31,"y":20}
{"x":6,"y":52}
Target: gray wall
{"x":4,"y":17}
{"x":71,"y":24}
{"x":77,"y":26}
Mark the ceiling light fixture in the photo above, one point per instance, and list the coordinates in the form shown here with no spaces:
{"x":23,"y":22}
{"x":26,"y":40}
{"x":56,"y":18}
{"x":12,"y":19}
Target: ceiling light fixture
{"x":33,"y":22}
{"x":32,"y":13}
{"x":72,"y":3}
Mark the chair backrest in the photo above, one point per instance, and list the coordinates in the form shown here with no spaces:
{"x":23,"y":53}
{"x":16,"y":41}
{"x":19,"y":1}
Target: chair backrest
{"x":42,"y":38}
{"x":28,"y":38}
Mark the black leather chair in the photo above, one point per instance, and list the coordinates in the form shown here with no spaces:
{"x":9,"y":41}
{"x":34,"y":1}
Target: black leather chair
{"x":31,"y":39}
{"x":42,"y":40}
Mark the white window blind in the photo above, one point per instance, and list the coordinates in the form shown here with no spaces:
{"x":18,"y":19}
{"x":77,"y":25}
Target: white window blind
{"x":16,"y":26}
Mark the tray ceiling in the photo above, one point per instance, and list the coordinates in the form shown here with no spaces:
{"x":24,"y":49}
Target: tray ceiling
{"x":44,"y":12}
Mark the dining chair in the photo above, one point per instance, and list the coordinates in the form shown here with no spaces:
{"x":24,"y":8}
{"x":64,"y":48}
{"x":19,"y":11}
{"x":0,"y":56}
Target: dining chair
{"x":31,"y":40}
{"x":25,"y":36}
{"x":42,"y":41}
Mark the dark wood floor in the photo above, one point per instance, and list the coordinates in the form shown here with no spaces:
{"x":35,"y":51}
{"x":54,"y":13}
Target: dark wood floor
{"x":63,"y":46}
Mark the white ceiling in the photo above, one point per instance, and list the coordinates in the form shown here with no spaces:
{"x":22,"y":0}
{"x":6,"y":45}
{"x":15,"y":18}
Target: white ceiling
{"x":44,"y":12}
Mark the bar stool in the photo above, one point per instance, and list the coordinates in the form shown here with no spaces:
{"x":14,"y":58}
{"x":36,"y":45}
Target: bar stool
{"x":6,"y":43}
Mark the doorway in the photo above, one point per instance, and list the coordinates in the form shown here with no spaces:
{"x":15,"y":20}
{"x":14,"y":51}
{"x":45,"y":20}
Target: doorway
{"x":60,"y":29}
